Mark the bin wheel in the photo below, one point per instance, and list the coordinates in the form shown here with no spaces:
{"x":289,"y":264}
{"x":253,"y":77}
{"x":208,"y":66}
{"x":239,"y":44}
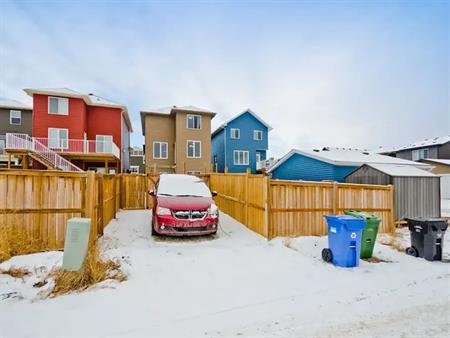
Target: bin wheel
{"x":327,"y":255}
{"x":412,"y":251}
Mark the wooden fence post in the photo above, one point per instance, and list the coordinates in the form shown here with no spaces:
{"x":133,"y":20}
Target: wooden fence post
{"x":335,"y":198}
{"x":392,"y":218}
{"x":267,"y":208}
{"x":90,"y":204}
{"x":100,"y":207}
{"x":247,"y":178}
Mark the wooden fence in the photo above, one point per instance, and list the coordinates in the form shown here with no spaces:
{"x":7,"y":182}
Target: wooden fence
{"x":39,"y":203}
{"x":295,"y":208}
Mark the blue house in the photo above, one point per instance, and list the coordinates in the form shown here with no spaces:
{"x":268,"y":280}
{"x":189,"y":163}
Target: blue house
{"x":328,"y":164}
{"x":239,"y":143}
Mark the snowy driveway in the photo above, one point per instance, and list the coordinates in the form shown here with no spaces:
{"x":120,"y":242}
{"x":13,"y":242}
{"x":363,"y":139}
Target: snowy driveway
{"x":234,"y":284}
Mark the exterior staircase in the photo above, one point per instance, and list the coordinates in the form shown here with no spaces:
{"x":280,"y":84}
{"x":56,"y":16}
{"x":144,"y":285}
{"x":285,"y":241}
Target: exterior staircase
{"x":39,"y":152}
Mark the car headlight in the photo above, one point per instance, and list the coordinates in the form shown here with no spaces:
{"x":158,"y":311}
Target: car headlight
{"x":213,"y":211}
{"x":160,"y":211}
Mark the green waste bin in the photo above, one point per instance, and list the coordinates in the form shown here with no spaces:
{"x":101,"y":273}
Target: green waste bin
{"x":369,"y":234}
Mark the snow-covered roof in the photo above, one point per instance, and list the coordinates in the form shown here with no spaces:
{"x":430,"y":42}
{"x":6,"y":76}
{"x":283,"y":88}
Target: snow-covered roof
{"x":400,"y":170}
{"x":424,"y":143}
{"x":8,"y":103}
{"x":168,"y":110}
{"x":346,"y":157}
{"x":90,"y":99}
{"x":435,"y":160}
{"x":182,"y":185}
{"x":223,"y":125}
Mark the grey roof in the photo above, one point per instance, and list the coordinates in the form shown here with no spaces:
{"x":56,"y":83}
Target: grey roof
{"x":8,"y":103}
{"x":436,"y":160}
{"x":420,"y":144}
{"x":401,"y":170}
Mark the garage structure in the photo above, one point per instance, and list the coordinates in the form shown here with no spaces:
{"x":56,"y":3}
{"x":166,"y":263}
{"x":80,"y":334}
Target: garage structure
{"x":417,"y":191}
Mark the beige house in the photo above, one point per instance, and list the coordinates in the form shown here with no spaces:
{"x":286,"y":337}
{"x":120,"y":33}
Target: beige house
{"x":177,"y":139}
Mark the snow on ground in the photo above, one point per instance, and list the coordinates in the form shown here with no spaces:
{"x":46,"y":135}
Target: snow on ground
{"x":236,"y":283}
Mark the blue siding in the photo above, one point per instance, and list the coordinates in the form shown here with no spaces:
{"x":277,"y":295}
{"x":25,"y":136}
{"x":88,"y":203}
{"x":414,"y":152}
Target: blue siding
{"x":218,"y":150}
{"x":224,"y":147}
{"x":299,"y":167}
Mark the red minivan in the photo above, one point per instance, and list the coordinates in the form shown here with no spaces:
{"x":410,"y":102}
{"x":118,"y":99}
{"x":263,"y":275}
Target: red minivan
{"x":183,"y":205}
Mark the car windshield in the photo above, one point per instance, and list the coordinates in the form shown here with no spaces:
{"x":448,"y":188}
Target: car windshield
{"x":182,"y":186}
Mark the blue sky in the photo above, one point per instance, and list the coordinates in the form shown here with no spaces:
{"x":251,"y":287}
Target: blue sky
{"x":322,"y":73}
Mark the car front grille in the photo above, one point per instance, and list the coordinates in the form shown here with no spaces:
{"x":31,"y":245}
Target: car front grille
{"x":190,"y":214}
{"x":187,"y":229}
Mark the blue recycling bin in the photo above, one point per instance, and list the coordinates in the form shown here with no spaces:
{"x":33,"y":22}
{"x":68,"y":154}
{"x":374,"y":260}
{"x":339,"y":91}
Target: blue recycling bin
{"x":344,"y":240}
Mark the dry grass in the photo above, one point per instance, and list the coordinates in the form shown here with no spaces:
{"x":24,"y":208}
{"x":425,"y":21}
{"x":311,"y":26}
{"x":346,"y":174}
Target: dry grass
{"x":95,"y":270}
{"x":14,"y":240}
{"x":15,"y":272}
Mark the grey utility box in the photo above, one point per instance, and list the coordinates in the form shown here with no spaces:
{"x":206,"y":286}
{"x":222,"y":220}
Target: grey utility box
{"x":76,"y":243}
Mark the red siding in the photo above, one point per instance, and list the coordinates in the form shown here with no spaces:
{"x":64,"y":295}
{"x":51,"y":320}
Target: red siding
{"x":75,"y":122}
{"x":104,"y":121}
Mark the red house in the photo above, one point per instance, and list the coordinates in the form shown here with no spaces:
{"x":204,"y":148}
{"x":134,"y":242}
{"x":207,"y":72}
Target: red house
{"x":88,"y":131}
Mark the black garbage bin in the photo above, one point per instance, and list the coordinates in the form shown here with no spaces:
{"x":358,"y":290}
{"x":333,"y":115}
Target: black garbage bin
{"x":427,"y":237}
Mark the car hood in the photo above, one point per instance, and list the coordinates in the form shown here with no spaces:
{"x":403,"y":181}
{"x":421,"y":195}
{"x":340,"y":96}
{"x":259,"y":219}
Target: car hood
{"x":184,"y":202}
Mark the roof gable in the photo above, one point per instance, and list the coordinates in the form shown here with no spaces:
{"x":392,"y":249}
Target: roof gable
{"x":247,"y":111}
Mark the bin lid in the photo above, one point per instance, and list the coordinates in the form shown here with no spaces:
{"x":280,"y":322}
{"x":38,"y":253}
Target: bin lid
{"x":362,"y":214}
{"x":350,"y":222}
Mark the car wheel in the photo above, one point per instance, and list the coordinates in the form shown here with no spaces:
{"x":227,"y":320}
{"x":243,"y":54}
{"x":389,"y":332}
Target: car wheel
{"x":327,"y":255}
{"x":412,"y":251}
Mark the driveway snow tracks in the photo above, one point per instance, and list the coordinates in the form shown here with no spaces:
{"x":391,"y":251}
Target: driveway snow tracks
{"x":235,"y":283}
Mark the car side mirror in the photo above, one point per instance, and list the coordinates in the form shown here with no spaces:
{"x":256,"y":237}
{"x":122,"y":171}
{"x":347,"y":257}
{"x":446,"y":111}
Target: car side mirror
{"x":214,"y":193}
{"x":151,"y":192}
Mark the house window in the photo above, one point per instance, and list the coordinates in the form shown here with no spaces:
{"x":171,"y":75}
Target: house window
{"x":420,"y":154}
{"x":15,"y":117}
{"x":103,"y":143}
{"x":58,"y":138}
{"x":58,"y":105}
{"x":194,"y":122}
{"x":2,"y":146}
{"x":194,"y":149}
{"x":160,"y":150}
{"x":235,"y":133}
{"x":240,"y":157}
{"x":137,"y":152}
{"x":134,"y":169}
{"x":257,"y":135}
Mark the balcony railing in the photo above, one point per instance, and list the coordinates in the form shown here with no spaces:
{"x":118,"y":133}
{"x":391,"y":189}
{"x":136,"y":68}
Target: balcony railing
{"x":81,"y":146}
{"x":265,"y":164}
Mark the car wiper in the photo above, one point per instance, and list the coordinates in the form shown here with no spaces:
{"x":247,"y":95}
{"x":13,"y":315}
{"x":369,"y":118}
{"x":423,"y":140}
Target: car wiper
{"x":188,"y":196}
{"x":164,"y":194}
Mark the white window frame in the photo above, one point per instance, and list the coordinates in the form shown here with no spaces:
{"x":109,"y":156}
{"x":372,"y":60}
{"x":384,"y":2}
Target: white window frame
{"x":137,"y":153}
{"x":187,"y":149}
{"x":60,"y":105}
{"x":245,"y":153}
{"x":11,"y":117}
{"x":134,"y":169}
{"x":194,"y":116}
{"x":101,"y":139}
{"x":61,"y":145}
{"x":257,"y":132}
{"x":233,"y":135}
{"x":160,"y":150}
